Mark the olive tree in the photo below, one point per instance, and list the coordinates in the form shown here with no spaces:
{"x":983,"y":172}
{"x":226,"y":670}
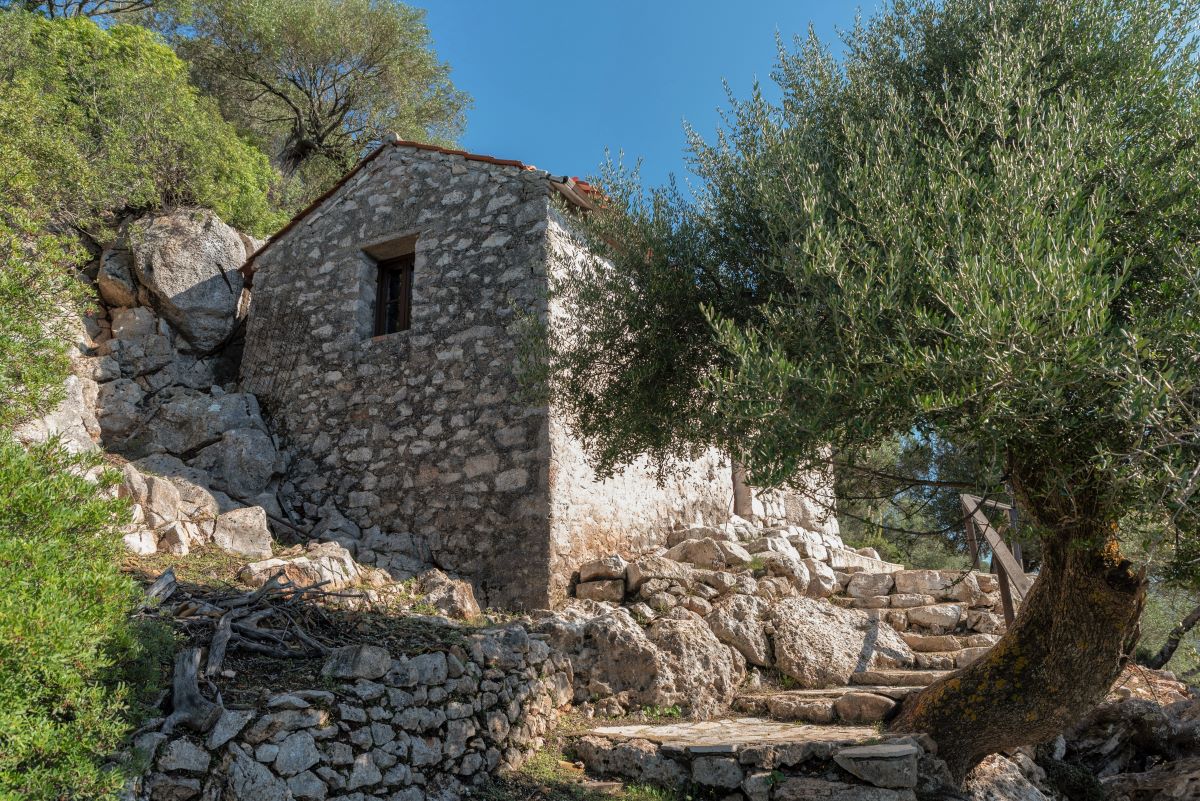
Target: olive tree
{"x":320,"y":80}
{"x":978,"y":225}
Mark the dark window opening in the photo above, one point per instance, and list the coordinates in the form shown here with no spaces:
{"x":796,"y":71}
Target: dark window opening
{"x":393,"y":298}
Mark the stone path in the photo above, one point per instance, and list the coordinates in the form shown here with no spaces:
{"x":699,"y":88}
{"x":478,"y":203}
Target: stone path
{"x":759,"y":759}
{"x":714,"y":736}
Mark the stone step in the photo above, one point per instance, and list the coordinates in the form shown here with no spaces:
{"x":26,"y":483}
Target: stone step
{"x":837,"y":704}
{"x":761,"y":758}
{"x":847,"y":561}
{"x":897,"y":678}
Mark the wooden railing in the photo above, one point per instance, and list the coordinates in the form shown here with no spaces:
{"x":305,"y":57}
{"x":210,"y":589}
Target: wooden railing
{"x":1006,"y":562}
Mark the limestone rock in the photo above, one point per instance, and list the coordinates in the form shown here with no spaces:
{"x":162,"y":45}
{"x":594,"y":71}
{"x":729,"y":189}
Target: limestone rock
{"x":187,"y":420}
{"x":892,"y":765}
{"x":141,"y":541}
{"x":776,"y":544}
{"x":998,"y":779}
{"x":807,"y":788}
{"x":651,"y":567}
{"x":72,"y":420}
{"x":323,"y":562}
{"x":736,"y":620}
{"x":231,"y":722}
{"x":820,"y":645}
{"x":188,"y":262}
{"x":610,"y":567}
{"x":161,"y":501}
{"x":939,"y":619}
{"x":115,"y":278}
{"x":117,"y":409}
{"x":784,"y":566}
{"x":357,"y":661}
{"x":822,"y":582}
{"x":242,"y":463}
{"x":298,"y":752}
{"x":673,"y":662}
{"x":698,"y":533}
{"x":251,"y":781}
{"x":696,"y":671}
{"x":244,"y":531}
{"x":703,"y":554}
{"x":603,"y":590}
{"x":856,"y":707}
{"x":163,"y":787}
{"x":865,"y":585}
{"x":183,"y":755}
{"x":716,"y":771}
{"x":452,"y":597}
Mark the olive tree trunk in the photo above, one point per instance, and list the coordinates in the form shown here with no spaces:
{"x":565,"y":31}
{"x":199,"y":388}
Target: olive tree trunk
{"x":1067,"y":646}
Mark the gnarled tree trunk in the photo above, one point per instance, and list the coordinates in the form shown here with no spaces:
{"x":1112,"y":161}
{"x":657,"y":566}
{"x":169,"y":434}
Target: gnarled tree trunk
{"x":1063,"y":652}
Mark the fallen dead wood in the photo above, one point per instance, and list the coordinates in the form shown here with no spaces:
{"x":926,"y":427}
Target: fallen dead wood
{"x":188,"y":705}
{"x":278,"y":619}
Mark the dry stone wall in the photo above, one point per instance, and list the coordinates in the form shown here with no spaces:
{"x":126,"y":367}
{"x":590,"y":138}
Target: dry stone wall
{"x":407,"y":728}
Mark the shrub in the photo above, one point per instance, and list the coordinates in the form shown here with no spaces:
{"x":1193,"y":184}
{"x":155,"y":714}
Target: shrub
{"x":66,"y":639}
{"x":106,"y":122}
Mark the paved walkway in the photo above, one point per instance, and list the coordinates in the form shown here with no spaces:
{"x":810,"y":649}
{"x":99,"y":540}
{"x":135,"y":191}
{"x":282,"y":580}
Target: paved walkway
{"x":733,"y":734}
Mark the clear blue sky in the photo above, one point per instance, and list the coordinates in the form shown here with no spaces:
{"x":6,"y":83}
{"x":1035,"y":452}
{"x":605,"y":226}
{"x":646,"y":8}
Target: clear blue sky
{"x":555,"y":82}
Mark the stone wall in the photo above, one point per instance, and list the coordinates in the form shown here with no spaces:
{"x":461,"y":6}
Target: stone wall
{"x":423,"y":438}
{"x":420,"y":434}
{"x":409,"y":728}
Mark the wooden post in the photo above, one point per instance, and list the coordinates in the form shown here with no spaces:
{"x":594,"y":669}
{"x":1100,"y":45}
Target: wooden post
{"x":743,"y":496}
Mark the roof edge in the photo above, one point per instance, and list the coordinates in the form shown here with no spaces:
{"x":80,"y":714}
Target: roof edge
{"x":577,"y":193}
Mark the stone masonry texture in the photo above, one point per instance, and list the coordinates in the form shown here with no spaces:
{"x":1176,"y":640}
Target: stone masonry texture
{"x":424,"y":438}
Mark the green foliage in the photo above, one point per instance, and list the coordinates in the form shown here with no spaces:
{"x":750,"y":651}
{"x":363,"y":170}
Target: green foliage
{"x":93,"y":124}
{"x":977,"y":227}
{"x":103,"y":122}
{"x":1165,"y":607}
{"x":66,"y":643}
{"x":317,"y":82}
{"x":79,"y":8}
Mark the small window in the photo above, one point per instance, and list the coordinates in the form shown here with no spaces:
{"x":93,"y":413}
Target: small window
{"x":393,"y":298}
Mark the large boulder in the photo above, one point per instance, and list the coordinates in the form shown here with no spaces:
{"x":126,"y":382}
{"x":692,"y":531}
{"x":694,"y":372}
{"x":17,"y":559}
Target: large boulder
{"x":187,"y":420}
{"x":114,"y":279}
{"x":450,"y":596}
{"x":652,"y":567}
{"x":327,"y":563}
{"x":675,"y":662}
{"x":737,"y":621}
{"x":242,"y":463}
{"x":118,"y":409}
{"x":820,"y":645}
{"x":187,"y":261}
{"x":72,"y":421}
{"x":244,"y":531}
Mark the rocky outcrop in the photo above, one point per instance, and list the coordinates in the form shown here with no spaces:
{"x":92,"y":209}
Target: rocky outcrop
{"x":674,"y":662}
{"x":820,"y":645}
{"x":186,"y":267}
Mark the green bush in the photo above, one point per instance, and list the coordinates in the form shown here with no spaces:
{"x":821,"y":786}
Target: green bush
{"x":66,"y":639}
{"x":104,"y":121}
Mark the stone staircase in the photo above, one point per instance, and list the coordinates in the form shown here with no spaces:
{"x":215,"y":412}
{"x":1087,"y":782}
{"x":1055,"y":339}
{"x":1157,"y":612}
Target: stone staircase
{"x":795,"y":744}
{"x":939,"y":615}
